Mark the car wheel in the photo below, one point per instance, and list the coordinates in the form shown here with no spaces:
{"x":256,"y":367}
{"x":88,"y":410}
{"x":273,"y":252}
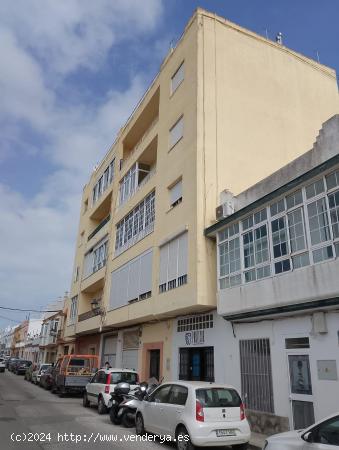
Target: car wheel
{"x":240,"y":446}
{"x":113,"y":415}
{"x":128,"y":420}
{"x":183,"y":440}
{"x":139,"y":425}
{"x":102,"y":409}
{"x":85,"y":401}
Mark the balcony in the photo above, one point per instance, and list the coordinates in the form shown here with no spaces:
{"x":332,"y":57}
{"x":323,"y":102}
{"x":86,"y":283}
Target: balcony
{"x":141,"y":131}
{"x":139,"y":174}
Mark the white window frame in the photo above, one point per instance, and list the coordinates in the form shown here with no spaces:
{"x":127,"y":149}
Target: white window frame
{"x":103,"y":182}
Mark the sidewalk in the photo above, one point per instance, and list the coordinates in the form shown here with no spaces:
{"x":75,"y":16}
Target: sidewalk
{"x":257,"y":441}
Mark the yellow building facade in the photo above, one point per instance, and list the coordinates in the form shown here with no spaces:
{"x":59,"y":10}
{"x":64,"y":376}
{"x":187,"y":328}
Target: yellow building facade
{"x":227,"y":108}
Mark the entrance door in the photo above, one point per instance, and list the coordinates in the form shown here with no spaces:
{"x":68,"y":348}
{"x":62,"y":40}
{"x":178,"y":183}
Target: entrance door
{"x":301,"y":390}
{"x":154,"y":363}
{"x":196,"y":364}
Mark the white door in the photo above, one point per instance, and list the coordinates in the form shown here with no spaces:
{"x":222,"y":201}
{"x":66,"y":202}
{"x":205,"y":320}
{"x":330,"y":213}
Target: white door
{"x":301,"y":392}
{"x":154,"y":418}
{"x":174,"y":409}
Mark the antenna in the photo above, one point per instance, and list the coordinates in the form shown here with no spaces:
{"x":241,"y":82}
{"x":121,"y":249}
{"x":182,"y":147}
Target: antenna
{"x":172,"y":44}
{"x":318,"y":59}
{"x":278,"y":38}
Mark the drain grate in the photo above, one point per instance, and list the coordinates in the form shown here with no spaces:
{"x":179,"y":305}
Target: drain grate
{"x":7,"y":419}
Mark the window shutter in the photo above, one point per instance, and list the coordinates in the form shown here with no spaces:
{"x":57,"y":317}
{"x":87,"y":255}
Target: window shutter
{"x":133,"y":279}
{"x":163,"y":264}
{"x":146,"y":273}
{"x":177,"y":78}
{"x":173,"y":259}
{"x":182,"y":255}
{"x":177,"y":132}
{"x":176,"y":192}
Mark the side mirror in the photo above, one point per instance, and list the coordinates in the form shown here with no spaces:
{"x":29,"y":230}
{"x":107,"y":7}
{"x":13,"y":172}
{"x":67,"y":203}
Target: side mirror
{"x":307,"y":437}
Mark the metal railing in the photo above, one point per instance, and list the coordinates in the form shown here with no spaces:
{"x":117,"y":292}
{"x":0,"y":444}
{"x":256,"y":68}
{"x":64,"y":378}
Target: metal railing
{"x":98,"y":228}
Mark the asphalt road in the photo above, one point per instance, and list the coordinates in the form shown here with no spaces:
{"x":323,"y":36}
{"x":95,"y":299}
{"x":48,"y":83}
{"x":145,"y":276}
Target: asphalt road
{"x":32,"y":418}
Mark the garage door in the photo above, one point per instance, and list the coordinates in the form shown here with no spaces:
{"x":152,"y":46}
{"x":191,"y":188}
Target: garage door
{"x":109,"y":350}
{"x":130,"y":350}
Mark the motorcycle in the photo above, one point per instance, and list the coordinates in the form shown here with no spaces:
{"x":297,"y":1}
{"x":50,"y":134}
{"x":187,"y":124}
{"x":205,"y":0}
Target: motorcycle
{"x":117,"y":397}
{"x":128,"y":407}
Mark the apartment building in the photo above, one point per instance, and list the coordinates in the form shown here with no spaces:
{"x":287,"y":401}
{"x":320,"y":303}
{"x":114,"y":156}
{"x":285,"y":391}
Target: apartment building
{"x":278,"y":289}
{"x":32,"y":341}
{"x":227,"y":108}
{"x":51,"y":345}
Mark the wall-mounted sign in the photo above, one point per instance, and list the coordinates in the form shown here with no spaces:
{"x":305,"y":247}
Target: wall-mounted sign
{"x":327,"y":370}
{"x":194,"y":337}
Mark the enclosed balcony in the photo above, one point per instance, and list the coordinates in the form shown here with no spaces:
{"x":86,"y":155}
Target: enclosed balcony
{"x":139,"y":174}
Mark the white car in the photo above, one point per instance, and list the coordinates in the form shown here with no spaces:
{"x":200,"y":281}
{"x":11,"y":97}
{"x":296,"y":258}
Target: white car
{"x":40,"y":370}
{"x":98,"y":390}
{"x":323,"y":435}
{"x":195,"y":413}
{"x":2,"y":364}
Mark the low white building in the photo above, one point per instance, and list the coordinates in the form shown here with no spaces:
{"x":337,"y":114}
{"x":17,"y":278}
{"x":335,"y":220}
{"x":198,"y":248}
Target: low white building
{"x":278,"y":289}
{"x":32,"y":342}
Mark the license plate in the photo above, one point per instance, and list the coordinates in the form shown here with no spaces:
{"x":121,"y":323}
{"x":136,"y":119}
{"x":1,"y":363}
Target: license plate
{"x":221,"y":433}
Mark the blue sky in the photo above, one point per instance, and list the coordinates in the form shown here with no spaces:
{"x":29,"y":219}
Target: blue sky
{"x":71,"y":73}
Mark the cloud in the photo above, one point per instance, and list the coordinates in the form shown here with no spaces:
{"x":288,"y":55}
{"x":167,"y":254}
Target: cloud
{"x":42,"y":44}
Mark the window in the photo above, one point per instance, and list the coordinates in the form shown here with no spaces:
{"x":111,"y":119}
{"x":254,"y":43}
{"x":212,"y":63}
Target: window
{"x":161,"y":394}
{"x":299,"y":342}
{"x":327,"y":433}
{"x":135,"y":225}
{"x":102,"y":377}
{"x":103,"y":182}
{"x":95,"y":259}
{"x":178,"y":395}
{"x":176,"y":194}
{"x":256,"y":374}
{"x":299,"y":230}
{"x":136,"y":175}
{"x":200,"y":322}
{"x":173,"y":263}
{"x":132,"y":281}
{"x":318,"y":221}
{"x":125,"y":377}
{"x":218,"y":398}
{"x":73,"y":309}
{"x":177,"y":78}
{"x":76,"y":274}
{"x":176,"y":132}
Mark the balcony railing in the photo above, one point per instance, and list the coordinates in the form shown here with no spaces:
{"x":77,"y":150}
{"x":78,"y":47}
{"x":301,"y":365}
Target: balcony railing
{"x":98,"y":228}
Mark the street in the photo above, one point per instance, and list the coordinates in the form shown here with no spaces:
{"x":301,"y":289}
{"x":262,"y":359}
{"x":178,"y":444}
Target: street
{"x":32,"y":418}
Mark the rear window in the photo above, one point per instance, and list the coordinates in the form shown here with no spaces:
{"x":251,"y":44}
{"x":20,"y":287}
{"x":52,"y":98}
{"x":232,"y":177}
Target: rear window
{"x":127,"y":377}
{"x":218,"y":398}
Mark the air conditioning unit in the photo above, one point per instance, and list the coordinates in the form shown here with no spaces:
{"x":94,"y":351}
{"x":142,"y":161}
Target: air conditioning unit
{"x":224,"y":210}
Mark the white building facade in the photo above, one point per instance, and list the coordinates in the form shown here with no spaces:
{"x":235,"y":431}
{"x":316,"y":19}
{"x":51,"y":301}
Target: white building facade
{"x":278,"y":289}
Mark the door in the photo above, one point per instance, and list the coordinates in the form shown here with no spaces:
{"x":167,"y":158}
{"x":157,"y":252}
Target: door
{"x":301,"y":395}
{"x":92,"y":388}
{"x":174,"y":409}
{"x":110,"y":350}
{"x":154,"y":418}
{"x":154,"y":364}
{"x":196,"y":364}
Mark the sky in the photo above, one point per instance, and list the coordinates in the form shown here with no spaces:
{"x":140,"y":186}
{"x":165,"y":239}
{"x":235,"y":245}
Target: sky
{"x":71,"y":72}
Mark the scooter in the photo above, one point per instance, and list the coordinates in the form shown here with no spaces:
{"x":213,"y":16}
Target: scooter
{"x":128,"y":407}
{"x":117,"y":397}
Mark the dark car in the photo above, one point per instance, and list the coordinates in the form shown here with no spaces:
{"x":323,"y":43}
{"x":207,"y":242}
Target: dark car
{"x":46,"y":378}
{"x":11,"y":362}
{"x":21,"y":366}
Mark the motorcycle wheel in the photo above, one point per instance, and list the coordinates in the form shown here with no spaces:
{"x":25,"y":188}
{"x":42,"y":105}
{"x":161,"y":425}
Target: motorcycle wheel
{"x":113,"y":415}
{"x":127,"y":421}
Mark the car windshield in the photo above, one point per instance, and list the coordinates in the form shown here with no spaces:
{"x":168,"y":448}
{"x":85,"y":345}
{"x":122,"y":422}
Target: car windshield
{"x":44,"y":366}
{"x":127,"y":377}
{"x":218,"y":397}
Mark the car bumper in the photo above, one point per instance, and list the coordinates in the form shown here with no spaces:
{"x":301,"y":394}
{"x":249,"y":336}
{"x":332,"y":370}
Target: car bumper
{"x":205,"y":435}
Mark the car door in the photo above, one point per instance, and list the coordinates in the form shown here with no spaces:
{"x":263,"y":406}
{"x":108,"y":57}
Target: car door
{"x":154,"y":409}
{"x":324,"y":436}
{"x":101,"y":383}
{"x":174,"y":408}
{"x":92,"y":388}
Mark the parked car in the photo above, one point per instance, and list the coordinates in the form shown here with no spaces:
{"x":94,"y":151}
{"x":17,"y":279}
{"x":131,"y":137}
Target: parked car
{"x":72,"y":373}
{"x":39,"y":370}
{"x":98,"y":390}
{"x":2,"y":364}
{"x":11,"y":362}
{"x":46,"y":378}
{"x":320,"y":436}
{"x":21,"y":366}
{"x":195,"y":413}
